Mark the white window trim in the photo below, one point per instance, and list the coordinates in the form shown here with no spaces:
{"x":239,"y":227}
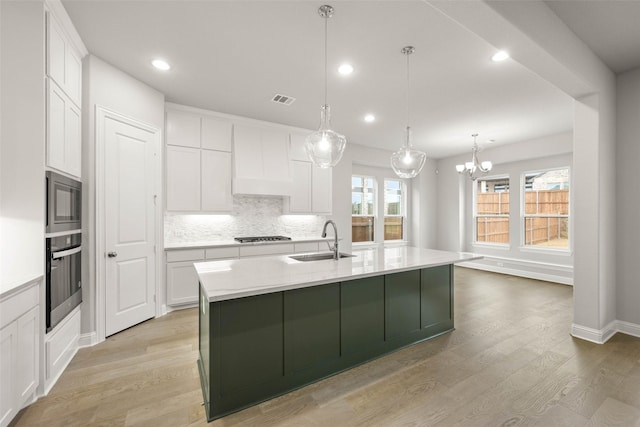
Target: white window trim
{"x":474,"y":214}
{"x":568,"y":251}
{"x":404,"y":210}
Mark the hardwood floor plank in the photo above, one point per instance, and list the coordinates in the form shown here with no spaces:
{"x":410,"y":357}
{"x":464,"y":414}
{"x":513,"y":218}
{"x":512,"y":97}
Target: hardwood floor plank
{"x":510,"y":362}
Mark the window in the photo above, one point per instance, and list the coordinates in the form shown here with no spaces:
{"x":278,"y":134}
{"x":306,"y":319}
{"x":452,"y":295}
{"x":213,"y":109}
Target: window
{"x":363,"y":208}
{"x":393,"y":209}
{"x":492,"y":210}
{"x":546,"y":208}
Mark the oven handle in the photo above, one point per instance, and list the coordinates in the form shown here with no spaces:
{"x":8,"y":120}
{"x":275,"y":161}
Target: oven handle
{"x":62,"y":254}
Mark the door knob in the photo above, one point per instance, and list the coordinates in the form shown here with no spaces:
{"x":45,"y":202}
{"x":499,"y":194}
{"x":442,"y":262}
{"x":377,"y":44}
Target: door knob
{"x":112,"y":254}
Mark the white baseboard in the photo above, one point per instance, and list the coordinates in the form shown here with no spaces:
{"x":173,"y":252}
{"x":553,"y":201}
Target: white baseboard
{"x":601,"y":336}
{"x":88,"y":340}
{"x":598,"y":336}
{"x":519,"y":268}
{"x":628,"y":328}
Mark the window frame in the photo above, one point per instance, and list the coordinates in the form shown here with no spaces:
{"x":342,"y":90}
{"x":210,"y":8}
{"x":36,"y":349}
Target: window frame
{"x":475,"y":242}
{"x":403,"y":209}
{"x":523,"y":216}
{"x":374,"y":208}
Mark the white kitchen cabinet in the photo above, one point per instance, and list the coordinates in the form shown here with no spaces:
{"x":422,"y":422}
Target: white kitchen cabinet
{"x":215,"y":134}
{"x":19,"y":350}
{"x":187,"y":129}
{"x":261,"y":161}
{"x":300,"y":199}
{"x":183,"y":129}
{"x":311,"y":190}
{"x":216,"y":181}
{"x":64,"y":63}
{"x":182,"y":279}
{"x":64,"y":129}
{"x":183,"y":179}
{"x":198,"y":180}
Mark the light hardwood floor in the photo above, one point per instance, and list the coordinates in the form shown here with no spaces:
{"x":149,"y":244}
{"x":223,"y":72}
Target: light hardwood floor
{"x":510,"y":362}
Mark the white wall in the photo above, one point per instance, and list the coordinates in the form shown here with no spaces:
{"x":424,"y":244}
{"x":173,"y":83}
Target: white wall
{"x":108,"y":87}
{"x":628,"y":196}
{"x":455,"y":212}
{"x":22,"y":198}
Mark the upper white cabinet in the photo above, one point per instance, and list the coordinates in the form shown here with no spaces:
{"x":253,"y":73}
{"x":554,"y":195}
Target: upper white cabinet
{"x":311,"y":192}
{"x":64,"y":100}
{"x":64,"y":126}
{"x":64,"y":63}
{"x":261,"y":161}
{"x":198,"y":163}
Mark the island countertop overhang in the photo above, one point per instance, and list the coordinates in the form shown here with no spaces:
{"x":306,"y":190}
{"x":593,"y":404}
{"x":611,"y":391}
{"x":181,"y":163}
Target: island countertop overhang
{"x":238,"y":278}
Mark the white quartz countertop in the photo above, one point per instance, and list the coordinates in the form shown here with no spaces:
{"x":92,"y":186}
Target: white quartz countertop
{"x":236,"y":278}
{"x":230,"y":243}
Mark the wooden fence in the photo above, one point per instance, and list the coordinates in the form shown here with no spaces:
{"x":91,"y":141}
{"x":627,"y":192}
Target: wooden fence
{"x":546,"y":217}
{"x":362,"y":228}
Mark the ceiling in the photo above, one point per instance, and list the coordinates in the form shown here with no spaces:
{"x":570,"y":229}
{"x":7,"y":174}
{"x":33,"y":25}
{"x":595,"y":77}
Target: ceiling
{"x":234,"y":56}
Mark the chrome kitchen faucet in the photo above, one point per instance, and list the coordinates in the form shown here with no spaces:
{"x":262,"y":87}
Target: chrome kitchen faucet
{"x":336,"y":254}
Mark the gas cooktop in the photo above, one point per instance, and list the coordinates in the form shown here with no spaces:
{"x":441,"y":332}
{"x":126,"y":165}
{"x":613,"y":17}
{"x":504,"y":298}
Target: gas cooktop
{"x":260,"y":239}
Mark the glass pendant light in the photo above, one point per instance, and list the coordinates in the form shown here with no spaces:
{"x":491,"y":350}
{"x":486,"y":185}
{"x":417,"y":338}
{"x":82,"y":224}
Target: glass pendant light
{"x":407,"y":162}
{"x":325,"y":146}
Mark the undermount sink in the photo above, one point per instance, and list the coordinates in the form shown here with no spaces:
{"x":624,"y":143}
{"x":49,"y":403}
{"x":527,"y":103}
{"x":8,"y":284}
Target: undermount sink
{"x":319,"y":257}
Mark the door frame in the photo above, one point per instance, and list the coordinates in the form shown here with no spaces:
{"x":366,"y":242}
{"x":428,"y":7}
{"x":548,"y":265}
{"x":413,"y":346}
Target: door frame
{"x":101,"y":114}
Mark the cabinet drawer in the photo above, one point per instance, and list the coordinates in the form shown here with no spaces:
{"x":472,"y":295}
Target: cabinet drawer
{"x":287,"y":248}
{"x":219,"y":253}
{"x":18,"y":304}
{"x":306,"y":247}
{"x":185,"y":255}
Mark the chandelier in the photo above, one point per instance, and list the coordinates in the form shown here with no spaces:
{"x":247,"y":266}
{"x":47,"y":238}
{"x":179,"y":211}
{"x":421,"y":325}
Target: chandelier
{"x":325,"y":146}
{"x":474,"y":168}
{"x":407,"y":162}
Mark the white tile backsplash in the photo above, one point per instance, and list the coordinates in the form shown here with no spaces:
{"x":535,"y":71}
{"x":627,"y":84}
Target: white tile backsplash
{"x":252,"y":216}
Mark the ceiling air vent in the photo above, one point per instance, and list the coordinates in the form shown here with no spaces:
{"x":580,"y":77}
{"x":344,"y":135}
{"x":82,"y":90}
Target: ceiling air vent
{"x":283,"y":99}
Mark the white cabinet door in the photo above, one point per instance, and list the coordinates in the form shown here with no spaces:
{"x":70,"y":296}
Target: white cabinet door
{"x":64,"y":64}
{"x":183,"y":129}
{"x":216,"y":181}
{"x":296,"y":149}
{"x":321,"y":190}
{"x":73,"y":140}
{"x":27,"y":372}
{"x":216,"y":134}
{"x":56,"y":127}
{"x":8,"y":355}
{"x":300,"y":199}
{"x":64,"y":132}
{"x":182,"y":283}
{"x":183,"y":179}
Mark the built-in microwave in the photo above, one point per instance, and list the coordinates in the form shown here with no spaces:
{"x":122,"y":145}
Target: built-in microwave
{"x":64,"y":199}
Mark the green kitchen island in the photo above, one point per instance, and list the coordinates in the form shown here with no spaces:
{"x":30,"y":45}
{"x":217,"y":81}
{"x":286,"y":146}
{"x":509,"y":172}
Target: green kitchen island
{"x":269,"y":325}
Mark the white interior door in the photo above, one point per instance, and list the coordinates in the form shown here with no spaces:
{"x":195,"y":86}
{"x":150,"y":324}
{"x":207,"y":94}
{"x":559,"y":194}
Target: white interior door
{"x":129,"y":212}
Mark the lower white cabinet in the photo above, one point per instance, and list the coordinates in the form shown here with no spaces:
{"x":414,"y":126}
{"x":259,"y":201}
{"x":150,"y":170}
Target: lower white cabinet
{"x":19,"y":351}
{"x":181,"y":276}
{"x":182,"y":279}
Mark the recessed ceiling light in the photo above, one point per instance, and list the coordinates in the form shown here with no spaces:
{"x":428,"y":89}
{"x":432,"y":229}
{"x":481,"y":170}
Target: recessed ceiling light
{"x":345,"y":69}
{"x":160,"y":64}
{"x":490,"y":141}
{"x":369,"y":118}
{"x":499,"y":56}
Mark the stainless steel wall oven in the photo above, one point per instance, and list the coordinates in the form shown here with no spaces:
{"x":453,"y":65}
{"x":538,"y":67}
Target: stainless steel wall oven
{"x":64,"y":286}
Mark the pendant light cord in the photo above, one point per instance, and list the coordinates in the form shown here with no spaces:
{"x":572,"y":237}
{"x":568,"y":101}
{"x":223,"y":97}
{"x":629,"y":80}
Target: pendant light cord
{"x":326,"y":20}
{"x":408,"y":53}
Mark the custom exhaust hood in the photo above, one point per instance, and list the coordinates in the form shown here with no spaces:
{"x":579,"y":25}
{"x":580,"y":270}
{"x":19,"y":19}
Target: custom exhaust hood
{"x":261,"y":161}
